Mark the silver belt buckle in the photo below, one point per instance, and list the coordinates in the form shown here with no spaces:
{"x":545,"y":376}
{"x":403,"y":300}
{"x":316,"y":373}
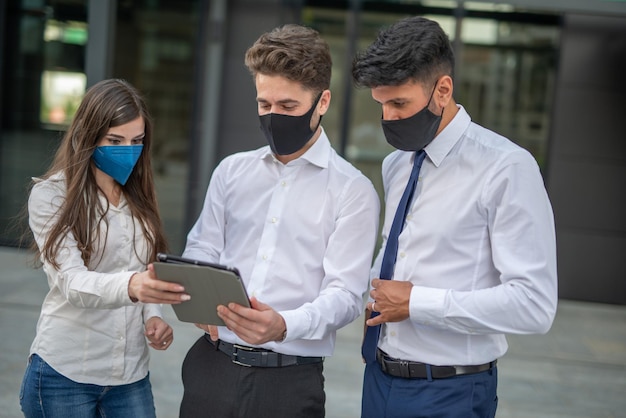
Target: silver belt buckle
{"x":236,"y":349}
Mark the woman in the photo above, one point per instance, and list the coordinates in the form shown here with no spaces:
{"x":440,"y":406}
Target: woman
{"x":96,"y":226}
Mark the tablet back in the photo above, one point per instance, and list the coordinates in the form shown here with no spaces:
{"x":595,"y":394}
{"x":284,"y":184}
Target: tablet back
{"x":208,"y":287}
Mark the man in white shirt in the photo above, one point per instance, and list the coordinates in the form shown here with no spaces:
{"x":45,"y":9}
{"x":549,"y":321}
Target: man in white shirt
{"x":300,"y":224}
{"x":476,"y":256}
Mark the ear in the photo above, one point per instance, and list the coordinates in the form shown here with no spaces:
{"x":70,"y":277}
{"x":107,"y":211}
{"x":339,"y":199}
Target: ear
{"x":443,"y":93}
{"x":324,"y":103}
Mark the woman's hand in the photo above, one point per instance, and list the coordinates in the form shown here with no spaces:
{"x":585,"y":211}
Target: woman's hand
{"x":147,"y":288}
{"x":159,"y":333}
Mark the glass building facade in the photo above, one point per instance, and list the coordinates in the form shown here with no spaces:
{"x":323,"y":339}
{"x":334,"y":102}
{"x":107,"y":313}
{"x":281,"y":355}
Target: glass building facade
{"x":504,"y":55}
{"x":547,"y":75}
{"x":44,"y":77}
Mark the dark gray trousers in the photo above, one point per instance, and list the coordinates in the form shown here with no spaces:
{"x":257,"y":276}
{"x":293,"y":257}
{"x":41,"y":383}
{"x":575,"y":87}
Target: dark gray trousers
{"x":216,"y":387}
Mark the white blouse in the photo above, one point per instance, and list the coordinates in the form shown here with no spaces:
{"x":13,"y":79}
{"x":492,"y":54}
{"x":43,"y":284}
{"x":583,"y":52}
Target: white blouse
{"x":89,"y":330}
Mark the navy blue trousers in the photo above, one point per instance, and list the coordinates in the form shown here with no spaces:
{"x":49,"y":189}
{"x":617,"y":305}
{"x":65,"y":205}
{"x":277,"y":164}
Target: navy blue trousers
{"x":465,"y":396}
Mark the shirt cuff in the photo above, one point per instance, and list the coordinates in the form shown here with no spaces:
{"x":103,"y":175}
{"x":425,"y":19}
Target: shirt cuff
{"x":150,"y":310}
{"x":129,"y":274}
{"x":296,"y":324}
{"x":426,"y":305}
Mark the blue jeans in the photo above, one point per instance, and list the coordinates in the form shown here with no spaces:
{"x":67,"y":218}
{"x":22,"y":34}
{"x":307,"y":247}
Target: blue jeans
{"x":47,"y":393}
{"x":465,"y":396}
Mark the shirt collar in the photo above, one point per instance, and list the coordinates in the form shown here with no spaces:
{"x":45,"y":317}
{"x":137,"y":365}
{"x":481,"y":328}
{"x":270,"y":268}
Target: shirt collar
{"x":443,"y":143}
{"x":317,"y":155}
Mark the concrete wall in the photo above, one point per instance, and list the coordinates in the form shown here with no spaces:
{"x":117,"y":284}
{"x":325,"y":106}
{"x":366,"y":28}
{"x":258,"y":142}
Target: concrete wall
{"x":587,"y":168}
{"x":228,"y":121}
{"x":246,"y":21}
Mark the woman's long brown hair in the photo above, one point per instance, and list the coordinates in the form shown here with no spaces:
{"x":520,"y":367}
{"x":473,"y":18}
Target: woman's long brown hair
{"x":106,"y":104}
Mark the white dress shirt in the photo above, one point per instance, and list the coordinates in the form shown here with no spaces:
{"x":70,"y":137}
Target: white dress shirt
{"x":478,"y":246}
{"x":89,"y":330}
{"x":302,"y":234}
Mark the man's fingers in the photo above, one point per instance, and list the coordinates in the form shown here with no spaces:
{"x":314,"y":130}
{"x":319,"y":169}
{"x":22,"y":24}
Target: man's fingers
{"x":374,"y":321}
{"x":258,"y":305}
{"x":235,"y":318}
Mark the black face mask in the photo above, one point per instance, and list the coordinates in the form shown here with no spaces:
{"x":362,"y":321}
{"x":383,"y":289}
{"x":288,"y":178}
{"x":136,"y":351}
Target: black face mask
{"x":287,"y":134}
{"x":412,"y":133}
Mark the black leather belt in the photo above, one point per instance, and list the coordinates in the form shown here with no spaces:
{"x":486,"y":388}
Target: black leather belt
{"x":260,"y":357}
{"x":414,"y":370}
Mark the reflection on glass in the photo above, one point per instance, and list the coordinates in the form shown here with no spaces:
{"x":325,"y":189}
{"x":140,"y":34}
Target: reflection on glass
{"x":506,"y":67}
{"x":154,"y":50}
{"x":61,"y":93}
{"x":69,"y":32}
{"x":43,"y":81}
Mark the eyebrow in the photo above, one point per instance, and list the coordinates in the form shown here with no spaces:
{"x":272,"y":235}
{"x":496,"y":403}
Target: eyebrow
{"x":281,"y":102}
{"x":395,"y":99}
{"x":142,"y":135}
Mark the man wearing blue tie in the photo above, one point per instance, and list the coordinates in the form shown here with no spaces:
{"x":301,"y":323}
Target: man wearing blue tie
{"x":468,"y":252}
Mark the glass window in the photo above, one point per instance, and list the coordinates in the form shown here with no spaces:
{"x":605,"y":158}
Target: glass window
{"x":42,"y":81}
{"x":506,"y":67}
{"x":154,"y":50}
{"x":507,"y":79}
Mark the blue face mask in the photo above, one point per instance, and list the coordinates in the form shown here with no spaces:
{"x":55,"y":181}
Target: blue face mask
{"x":117,"y":161}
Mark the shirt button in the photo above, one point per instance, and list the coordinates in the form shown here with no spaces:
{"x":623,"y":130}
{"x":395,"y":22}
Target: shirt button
{"x":402,"y":254}
{"x":409,"y":217}
{"x":393,"y":333}
{"x":274,"y":220}
{"x":283,"y":183}
{"x":264,"y":257}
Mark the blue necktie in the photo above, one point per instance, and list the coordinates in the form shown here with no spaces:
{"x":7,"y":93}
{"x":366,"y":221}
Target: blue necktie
{"x":370,"y":342}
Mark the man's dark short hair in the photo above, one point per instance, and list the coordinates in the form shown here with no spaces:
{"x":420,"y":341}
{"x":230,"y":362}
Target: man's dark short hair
{"x":412,"y":49}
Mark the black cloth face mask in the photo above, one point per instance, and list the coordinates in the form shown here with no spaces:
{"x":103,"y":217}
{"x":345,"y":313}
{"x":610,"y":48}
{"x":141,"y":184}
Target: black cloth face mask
{"x":415,"y":132}
{"x":287,"y":134}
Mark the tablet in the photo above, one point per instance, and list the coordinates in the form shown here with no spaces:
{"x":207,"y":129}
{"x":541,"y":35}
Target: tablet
{"x":208,"y":284}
